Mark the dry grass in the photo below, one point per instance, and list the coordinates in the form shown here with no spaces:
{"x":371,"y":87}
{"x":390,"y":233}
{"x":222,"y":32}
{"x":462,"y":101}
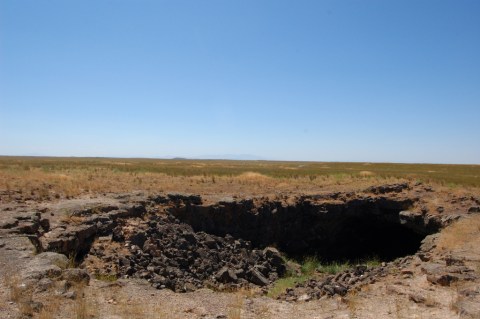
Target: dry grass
{"x":138,"y":310}
{"x":235,"y":307}
{"x":238,"y":299}
{"x":81,"y":308}
{"x":124,"y":306}
{"x":45,"y":178}
{"x":464,"y":233}
{"x":84,"y":305}
{"x":13,"y":284}
{"x":20,"y":294}
{"x":48,"y":306}
{"x":50,"y":309}
{"x":354,"y":303}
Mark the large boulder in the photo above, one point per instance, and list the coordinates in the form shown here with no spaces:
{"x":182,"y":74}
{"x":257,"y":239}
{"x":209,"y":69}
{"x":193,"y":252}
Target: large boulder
{"x":47,"y":264}
{"x":76,"y":275}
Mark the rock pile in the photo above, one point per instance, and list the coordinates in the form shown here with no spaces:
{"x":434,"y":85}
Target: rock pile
{"x":331,"y":285}
{"x":169,"y":254}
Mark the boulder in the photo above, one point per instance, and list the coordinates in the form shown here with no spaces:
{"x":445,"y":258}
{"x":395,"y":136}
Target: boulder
{"x":474,"y":209}
{"x":257,"y":278}
{"x":45,"y":265}
{"x":226,"y":275}
{"x":443,"y":279}
{"x":76,"y":275}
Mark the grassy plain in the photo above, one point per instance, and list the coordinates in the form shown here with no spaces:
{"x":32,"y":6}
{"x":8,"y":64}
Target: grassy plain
{"x":50,"y":177}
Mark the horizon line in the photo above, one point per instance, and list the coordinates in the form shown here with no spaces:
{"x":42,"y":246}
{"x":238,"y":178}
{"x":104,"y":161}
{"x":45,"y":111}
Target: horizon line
{"x":228,"y":159}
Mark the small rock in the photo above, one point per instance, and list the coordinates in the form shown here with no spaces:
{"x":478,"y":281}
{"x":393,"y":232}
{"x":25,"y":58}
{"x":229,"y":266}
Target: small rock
{"x":442,"y":279}
{"x":340,"y":290}
{"x":395,"y":289}
{"x":76,"y":275}
{"x":44,"y":284}
{"x":360,"y":269}
{"x":451,"y":260}
{"x":70,"y":295}
{"x":432,"y":268}
{"x":8,"y":223}
{"x":36,"y":306}
{"x":424,"y":257}
{"x":189,"y":287}
{"x":474,"y":209}
{"x":417,"y":298}
{"x":329,"y":289}
{"x":62,"y":286}
{"x":304,"y":297}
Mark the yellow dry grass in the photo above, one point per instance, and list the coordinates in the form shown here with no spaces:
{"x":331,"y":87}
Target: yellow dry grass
{"x":38,"y":184}
{"x":464,"y":233}
{"x":366,"y":173}
{"x":253,"y":176}
{"x":235,"y":307}
{"x":48,"y":178}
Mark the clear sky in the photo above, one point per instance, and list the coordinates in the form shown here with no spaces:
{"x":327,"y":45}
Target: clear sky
{"x":371,"y":80}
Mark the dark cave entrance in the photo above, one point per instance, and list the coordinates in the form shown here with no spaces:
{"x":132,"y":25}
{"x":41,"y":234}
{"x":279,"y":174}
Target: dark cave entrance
{"x":356,"y":239}
{"x":352,"y":231}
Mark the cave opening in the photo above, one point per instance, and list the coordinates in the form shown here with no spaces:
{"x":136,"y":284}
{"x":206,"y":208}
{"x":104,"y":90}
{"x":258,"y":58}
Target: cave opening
{"x":352,"y":231}
{"x":356,"y":239}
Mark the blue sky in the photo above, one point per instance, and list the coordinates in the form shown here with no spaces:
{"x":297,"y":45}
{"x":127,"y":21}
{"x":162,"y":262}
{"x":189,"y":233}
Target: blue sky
{"x":380,"y":81}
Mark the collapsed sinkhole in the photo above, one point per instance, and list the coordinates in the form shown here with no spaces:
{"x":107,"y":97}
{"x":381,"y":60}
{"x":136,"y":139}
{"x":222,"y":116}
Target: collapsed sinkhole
{"x":191,"y":245}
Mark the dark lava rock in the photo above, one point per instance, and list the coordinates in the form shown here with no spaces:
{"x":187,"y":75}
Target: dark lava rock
{"x":257,"y":278}
{"x":226,"y":275}
{"x":383,"y":189}
{"x":170,"y":254}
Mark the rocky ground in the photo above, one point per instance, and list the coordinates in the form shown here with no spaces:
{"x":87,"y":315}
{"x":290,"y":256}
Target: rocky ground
{"x":184,"y":256}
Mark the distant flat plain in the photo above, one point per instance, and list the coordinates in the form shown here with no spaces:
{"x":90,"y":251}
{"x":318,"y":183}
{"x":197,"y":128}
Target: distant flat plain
{"x":72,"y":176}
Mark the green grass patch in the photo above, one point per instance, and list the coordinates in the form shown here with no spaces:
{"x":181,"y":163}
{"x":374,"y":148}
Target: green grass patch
{"x":283,"y":283}
{"x":308,"y":267}
{"x":333,"y":267}
{"x":336,"y":267}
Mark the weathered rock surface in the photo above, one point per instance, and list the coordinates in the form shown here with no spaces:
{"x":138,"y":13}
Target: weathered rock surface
{"x":47,"y":264}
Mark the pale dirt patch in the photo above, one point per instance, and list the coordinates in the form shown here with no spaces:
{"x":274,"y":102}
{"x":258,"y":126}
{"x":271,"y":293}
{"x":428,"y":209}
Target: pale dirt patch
{"x":366,"y":173}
